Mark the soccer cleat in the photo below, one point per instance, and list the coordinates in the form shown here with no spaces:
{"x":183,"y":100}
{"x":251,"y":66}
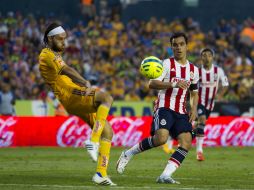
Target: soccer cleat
{"x":167,"y":150}
{"x":200,"y":156}
{"x":92,"y":149}
{"x":166,"y":179}
{"x":99,"y":180}
{"x":122,"y":163}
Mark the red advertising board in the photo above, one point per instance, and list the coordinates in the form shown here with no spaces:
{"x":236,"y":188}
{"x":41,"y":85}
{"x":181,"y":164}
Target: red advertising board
{"x":71,"y":131}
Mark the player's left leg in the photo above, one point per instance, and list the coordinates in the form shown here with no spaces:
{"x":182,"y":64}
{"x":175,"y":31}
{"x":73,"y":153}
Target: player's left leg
{"x":101,"y":176}
{"x":176,"y":158}
{"x":183,"y":131}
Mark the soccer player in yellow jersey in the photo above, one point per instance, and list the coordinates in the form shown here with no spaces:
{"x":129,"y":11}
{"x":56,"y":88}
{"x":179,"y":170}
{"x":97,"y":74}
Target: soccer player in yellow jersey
{"x":78,"y":98}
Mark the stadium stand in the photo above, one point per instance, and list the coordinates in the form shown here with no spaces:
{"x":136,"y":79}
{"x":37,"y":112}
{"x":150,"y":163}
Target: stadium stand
{"x":108,"y":52}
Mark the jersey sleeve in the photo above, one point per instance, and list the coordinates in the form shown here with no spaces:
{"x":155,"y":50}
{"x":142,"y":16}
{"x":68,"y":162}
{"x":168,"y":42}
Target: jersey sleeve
{"x":194,"y":82}
{"x":165,"y":70}
{"x":49,"y":59}
{"x":196,"y":76}
{"x":223,"y":78}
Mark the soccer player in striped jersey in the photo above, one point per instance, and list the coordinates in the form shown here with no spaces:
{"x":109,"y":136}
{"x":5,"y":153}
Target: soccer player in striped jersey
{"x":179,"y":77}
{"x":210,"y":75}
{"x":78,"y":98}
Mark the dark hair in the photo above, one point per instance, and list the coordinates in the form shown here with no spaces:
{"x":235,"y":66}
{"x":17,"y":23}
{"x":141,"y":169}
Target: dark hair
{"x":49,"y":28}
{"x":177,"y":35}
{"x":207,"y":49}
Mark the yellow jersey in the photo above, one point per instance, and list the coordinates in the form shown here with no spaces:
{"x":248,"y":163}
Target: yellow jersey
{"x":72,"y":96}
{"x":51,"y":66}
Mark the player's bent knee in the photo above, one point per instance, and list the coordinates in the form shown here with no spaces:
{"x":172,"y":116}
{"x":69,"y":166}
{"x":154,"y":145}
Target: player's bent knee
{"x":104,"y":97}
{"x":109,"y":99}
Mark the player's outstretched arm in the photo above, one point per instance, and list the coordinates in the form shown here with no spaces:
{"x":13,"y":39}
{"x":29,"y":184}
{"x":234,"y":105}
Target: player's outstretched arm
{"x":75,"y":76}
{"x":159,"y":85}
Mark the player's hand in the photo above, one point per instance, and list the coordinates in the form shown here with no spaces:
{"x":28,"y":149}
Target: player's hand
{"x":87,"y":84}
{"x":88,"y":91}
{"x":193,"y":115}
{"x":182,"y":84}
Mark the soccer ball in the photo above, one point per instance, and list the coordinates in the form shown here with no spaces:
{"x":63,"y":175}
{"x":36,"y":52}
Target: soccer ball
{"x":151,"y":67}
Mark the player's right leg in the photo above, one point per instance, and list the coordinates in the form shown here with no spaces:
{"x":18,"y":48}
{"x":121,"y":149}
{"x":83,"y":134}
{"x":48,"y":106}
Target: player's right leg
{"x":103,"y":102}
{"x":160,"y":138}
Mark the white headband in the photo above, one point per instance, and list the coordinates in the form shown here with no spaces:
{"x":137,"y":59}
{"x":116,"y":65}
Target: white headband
{"x":55,"y":31}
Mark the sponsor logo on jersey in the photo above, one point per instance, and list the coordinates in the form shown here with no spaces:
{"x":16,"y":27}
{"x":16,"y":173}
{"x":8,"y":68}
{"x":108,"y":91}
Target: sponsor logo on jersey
{"x":177,"y":79}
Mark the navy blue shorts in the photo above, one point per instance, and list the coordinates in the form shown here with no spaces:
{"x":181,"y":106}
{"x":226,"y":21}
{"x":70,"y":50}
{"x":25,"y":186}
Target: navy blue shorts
{"x":203,"y":111}
{"x":174,"y":122}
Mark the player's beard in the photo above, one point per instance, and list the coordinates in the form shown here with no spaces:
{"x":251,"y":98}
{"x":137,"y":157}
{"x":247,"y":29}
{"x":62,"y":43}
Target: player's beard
{"x":56,"y":48}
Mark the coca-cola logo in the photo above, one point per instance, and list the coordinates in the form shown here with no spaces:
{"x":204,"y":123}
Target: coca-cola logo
{"x":127,"y":131}
{"x":7,"y":131}
{"x":73,"y":133}
{"x":239,"y":132}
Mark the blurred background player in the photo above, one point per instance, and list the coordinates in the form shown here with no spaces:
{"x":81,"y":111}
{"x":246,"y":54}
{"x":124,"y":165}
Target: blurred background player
{"x":78,"y":98}
{"x":178,"y":77}
{"x":7,"y":100}
{"x":210,"y":75}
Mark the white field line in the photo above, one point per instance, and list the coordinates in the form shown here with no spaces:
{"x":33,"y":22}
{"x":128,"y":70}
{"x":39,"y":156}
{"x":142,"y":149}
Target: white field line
{"x":206,"y":187}
{"x":188,"y":178}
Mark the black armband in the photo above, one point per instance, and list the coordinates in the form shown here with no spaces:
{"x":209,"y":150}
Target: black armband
{"x":193,"y":87}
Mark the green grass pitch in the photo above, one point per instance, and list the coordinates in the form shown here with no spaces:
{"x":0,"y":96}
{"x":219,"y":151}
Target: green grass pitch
{"x":70,"y":168}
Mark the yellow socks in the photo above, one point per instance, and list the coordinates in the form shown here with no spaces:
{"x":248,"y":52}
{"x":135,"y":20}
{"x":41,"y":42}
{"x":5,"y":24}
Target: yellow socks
{"x":103,"y":158}
{"x":105,"y":145}
{"x":101,"y":116}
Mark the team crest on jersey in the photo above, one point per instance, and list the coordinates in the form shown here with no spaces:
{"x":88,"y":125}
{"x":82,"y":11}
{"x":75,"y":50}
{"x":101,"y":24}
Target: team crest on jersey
{"x":163,"y":122}
{"x":200,"y":111}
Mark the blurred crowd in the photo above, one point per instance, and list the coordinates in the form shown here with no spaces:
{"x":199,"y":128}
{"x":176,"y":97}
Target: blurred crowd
{"x":108,"y":53}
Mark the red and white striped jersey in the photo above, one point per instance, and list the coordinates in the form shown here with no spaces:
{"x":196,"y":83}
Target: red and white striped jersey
{"x":175,"y":98}
{"x":208,"y":85}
